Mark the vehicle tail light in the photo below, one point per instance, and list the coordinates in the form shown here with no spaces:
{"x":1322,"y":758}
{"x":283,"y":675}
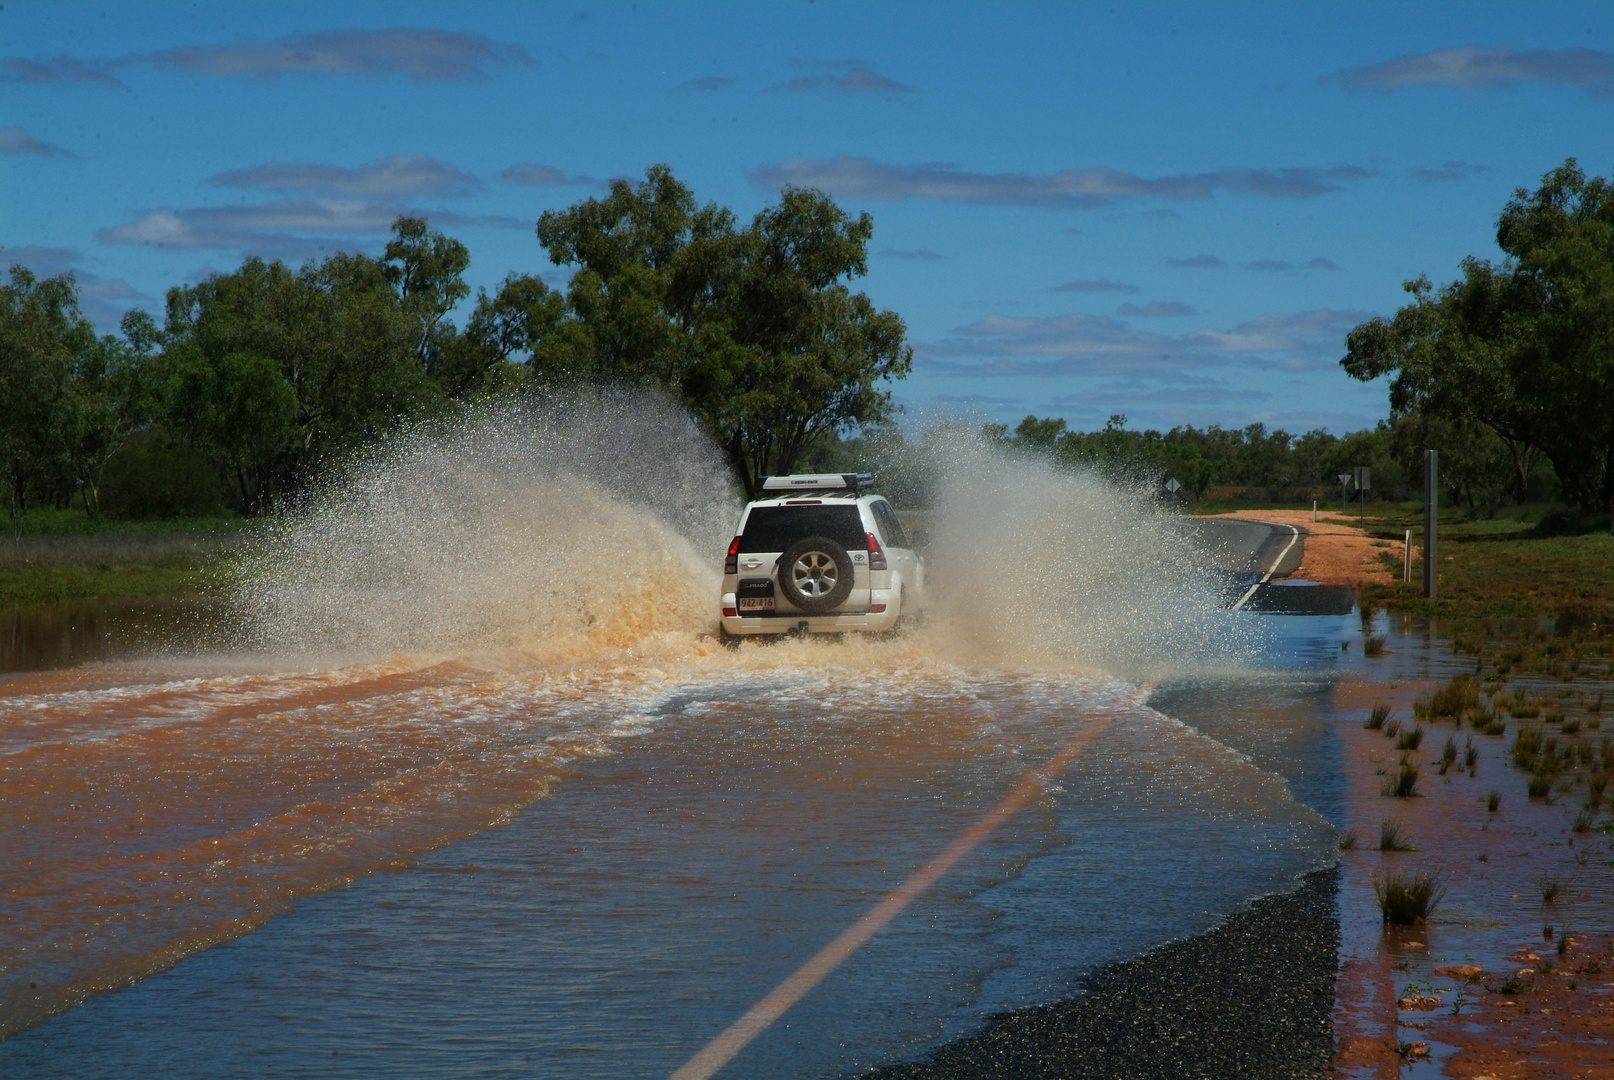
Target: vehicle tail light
{"x":876,"y":556}
{"x":729,"y":612}
{"x":876,"y":609}
{"x":731,"y":565}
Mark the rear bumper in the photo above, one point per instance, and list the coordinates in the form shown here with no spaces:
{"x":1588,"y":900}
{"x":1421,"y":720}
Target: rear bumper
{"x":787,"y":622}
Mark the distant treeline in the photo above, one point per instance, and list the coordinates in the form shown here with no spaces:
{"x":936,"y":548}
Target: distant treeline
{"x":262,"y":379}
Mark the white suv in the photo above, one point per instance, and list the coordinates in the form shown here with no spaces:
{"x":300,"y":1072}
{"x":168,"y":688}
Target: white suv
{"x":819,"y":554}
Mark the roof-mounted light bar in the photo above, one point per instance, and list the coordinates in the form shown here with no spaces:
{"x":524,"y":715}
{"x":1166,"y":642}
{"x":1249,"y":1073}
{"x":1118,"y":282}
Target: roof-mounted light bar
{"x":817,"y":482}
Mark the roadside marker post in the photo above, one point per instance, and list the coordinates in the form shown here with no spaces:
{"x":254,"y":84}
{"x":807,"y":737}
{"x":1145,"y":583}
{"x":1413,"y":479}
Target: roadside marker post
{"x":1314,"y":509}
{"x":1431,"y":506}
{"x":1406,"y":558}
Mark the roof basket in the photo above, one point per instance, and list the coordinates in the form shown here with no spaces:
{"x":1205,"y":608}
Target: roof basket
{"x":853,"y":482}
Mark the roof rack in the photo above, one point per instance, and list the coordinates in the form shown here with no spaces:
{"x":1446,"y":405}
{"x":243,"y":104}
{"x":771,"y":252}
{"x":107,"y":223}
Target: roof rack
{"x":853,"y":482}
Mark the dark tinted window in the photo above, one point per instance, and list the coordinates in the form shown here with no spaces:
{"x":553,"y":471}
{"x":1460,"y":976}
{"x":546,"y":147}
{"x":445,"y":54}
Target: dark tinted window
{"x":774,"y":528}
{"x":890,"y":527}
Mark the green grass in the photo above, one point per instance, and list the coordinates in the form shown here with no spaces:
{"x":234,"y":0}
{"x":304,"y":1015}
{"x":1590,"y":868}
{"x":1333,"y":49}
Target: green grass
{"x":48,"y":556}
{"x":1503,"y":567}
{"x":53,"y":584}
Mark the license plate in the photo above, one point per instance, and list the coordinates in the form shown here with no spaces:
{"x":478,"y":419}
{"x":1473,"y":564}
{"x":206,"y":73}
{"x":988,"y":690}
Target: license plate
{"x":756,"y":603}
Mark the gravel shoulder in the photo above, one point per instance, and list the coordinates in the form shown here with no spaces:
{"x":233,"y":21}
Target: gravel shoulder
{"x":1251,"y":998}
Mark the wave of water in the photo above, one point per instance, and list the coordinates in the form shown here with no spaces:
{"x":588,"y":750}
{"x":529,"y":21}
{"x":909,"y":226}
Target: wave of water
{"x":446,"y":634}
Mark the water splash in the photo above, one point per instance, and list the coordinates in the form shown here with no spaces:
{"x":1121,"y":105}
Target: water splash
{"x":1050,"y":567}
{"x":590,"y":519}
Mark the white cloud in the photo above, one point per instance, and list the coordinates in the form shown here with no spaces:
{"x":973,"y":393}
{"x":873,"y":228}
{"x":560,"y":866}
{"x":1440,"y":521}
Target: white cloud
{"x":16,"y":141}
{"x":411,"y":174}
{"x":21,"y":69}
{"x":1155,"y":309}
{"x":1095,"y":285}
{"x":842,"y":77}
{"x":863,"y":178}
{"x":1097,"y":345}
{"x":1483,"y":68}
{"x":706,"y":84}
{"x":420,"y":55}
{"x":276,"y":228}
{"x":545,"y":176}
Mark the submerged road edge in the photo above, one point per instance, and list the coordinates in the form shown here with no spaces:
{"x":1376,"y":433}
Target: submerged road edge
{"x":1252,"y":997}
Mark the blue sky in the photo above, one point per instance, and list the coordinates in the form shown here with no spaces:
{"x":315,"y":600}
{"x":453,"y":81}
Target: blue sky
{"x":1169,"y":211}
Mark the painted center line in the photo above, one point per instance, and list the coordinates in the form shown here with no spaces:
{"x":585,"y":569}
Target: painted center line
{"x":721,"y":1050}
{"x":1293,"y":540}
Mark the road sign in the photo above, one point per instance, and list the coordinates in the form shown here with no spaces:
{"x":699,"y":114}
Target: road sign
{"x":1172,"y":486}
{"x":1344,"y":479}
{"x":1363,"y":477}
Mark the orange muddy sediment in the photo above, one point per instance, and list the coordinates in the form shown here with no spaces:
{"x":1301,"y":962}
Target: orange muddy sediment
{"x":1337,"y":551}
{"x":1397,"y":985}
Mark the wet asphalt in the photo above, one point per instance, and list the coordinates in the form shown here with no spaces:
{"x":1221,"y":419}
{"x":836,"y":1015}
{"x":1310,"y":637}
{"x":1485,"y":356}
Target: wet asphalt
{"x":1251,"y":998}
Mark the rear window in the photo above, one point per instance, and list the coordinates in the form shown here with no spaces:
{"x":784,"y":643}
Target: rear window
{"x":774,"y":528}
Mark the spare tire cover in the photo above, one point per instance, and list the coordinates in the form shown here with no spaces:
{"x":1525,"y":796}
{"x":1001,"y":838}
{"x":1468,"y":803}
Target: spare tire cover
{"x":815,"y":574}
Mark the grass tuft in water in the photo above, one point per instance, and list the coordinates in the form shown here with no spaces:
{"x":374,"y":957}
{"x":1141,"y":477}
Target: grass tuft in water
{"x":1551,"y":888}
{"x":1539,"y":786}
{"x":1392,"y":836}
{"x":1409,"y":740}
{"x":1373,"y":645}
{"x":1404,"y":784}
{"x":1348,"y":840}
{"x":1405,"y":899}
{"x":1377,"y":717}
{"x":1583,"y":822}
{"x":1493,"y":800}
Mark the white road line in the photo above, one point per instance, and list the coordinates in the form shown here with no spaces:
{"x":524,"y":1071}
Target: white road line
{"x":1293,"y":540}
{"x":721,"y":1050}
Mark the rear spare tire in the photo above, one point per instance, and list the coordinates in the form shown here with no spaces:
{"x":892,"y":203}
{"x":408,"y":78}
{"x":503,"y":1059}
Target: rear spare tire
{"x":815,"y":574}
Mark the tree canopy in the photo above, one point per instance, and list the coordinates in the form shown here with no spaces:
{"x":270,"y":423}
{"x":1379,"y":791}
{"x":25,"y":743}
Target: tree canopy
{"x":260,"y":379}
{"x":1523,"y":348}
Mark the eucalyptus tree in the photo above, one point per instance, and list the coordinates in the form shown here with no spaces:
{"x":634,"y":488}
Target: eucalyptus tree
{"x":1524,"y":347}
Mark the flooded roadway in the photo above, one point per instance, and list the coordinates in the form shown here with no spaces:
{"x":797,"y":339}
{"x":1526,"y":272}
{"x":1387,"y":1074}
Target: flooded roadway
{"x":695,"y":825}
{"x":473,"y":792}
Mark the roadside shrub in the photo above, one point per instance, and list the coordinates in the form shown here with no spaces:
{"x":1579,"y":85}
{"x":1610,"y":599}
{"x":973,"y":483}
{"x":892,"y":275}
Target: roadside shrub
{"x":1405,"y":899}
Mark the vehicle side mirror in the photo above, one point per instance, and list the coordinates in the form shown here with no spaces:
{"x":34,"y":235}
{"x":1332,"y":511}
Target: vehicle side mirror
{"x":921,"y":538}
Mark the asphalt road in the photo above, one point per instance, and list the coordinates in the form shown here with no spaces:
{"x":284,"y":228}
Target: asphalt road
{"x":1248,"y":547}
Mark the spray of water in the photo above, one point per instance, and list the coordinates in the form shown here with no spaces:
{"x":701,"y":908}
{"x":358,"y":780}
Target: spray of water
{"x":596,"y":520}
{"x":1044,"y":566}
{"x":589,"y":519}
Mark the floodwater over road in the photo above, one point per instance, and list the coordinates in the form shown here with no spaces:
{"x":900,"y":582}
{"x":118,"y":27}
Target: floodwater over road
{"x":578,"y":838}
